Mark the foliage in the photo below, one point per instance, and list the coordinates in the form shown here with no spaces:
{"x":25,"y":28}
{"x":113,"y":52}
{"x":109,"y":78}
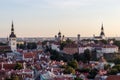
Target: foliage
{"x":117,"y":43}
{"x":77,"y":78}
{"x":104,"y":41}
{"x":18,"y":66}
{"x":69,"y":41}
{"x":3,"y":44}
{"x":69,"y":70}
{"x":87,"y":55}
{"x":21,"y":46}
{"x":83,"y":70}
{"x":116,"y":67}
{"x":62,"y":45}
{"x":31,"y":45}
{"x":106,"y":66}
{"x":55,"y":55}
{"x":116,"y":61}
{"x":73,"y":64}
{"x":78,"y":57}
{"x":113,"y":72}
{"x":92,"y":73}
{"x":15,"y":78}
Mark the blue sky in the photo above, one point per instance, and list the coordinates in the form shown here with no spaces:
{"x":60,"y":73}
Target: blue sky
{"x":44,"y":18}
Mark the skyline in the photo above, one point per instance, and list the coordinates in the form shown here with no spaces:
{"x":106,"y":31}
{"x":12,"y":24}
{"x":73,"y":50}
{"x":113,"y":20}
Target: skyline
{"x":44,"y":18}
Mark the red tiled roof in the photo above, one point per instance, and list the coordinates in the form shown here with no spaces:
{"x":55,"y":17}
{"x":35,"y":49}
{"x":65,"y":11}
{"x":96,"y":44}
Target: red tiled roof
{"x":8,"y":66}
{"x":29,"y":55}
{"x":113,"y":77}
{"x":63,"y":78}
{"x":70,"y":50}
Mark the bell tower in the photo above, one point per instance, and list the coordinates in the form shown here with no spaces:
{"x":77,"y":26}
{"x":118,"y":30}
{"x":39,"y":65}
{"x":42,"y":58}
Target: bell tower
{"x":13,"y":39}
{"x":102,"y":34}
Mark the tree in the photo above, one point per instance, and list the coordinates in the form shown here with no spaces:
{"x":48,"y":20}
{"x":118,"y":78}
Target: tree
{"x":21,"y":46}
{"x":69,"y":41}
{"x":104,"y":41}
{"x":117,"y":43}
{"x":31,"y":45}
{"x":62,"y":45}
{"x":16,"y":78}
{"x":18,"y":66}
{"x":87,"y":55}
{"x":113,"y":72}
{"x":92,"y":74}
{"x":116,"y":61}
{"x":69,"y":70}
{"x":73,"y":64}
{"x":77,"y":78}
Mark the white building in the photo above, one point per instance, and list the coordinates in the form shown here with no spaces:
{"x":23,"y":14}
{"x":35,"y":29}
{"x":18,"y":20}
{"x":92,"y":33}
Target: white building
{"x":13,"y":39}
{"x":110,"y":49}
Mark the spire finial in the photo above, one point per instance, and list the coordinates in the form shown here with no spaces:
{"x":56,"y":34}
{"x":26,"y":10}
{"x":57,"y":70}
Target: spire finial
{"x":102,"y":26}
{"x":12,"y":29}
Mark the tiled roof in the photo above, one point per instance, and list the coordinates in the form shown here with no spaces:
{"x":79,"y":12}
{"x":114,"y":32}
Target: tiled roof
{"x":113,"y":77}
{"x":70,"y":50}
{"x":29,"y":55}
{"x":7,"y":66}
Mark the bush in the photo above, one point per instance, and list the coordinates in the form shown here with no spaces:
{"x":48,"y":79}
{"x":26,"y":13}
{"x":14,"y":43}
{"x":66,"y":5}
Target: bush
{"x":113,"y":72}
{"x":73,"y":64}
{"x":78,"y":78}
{"x":117,"y":61}
{"x":69,"y":70}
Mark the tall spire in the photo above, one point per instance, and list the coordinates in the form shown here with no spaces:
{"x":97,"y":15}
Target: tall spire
{"x":12,"y":31}
{"x":102,"y":31}
{"x":12,"y":27}
{"x":102,"y":27}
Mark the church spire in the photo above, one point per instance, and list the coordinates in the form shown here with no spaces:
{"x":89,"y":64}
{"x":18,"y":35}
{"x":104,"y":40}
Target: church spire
{"x":12,"y":27}
{"x":102,"y":31}
{"x":12,"y":31}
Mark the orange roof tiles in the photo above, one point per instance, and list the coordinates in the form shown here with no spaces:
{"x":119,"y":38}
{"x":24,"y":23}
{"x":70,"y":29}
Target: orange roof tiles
{"x":113,"y":77}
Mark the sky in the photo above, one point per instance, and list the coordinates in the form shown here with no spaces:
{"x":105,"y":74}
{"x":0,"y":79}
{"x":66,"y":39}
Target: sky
{"x":45,"y":18}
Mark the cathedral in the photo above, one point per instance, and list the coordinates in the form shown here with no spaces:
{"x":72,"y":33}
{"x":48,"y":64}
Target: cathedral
{"x":13,"y":39}
{"x":101,"y":36}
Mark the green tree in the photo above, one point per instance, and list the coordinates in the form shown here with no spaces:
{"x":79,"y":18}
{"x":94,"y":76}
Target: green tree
{"x":117,"y":43}
{"x":73,"y":64}
{"x":104,"y":41}
{"x":116,"y":61}
{"x":113,"y":72}
{"x":69,"y":70}
{"x":77,"y":78}
{"x":31,"y":45}
{"x":18,"y":66}
{"x":92,"y":74}
{"x":14,"y":77}
{"x":87,"y":55}
{"x":62,"y":45}
{"x":68,"y":41}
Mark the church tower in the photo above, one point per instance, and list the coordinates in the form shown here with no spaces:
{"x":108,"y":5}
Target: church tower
{"x":102,"y":34}
{"x":59,"y":36}
{"x":12,"y":39}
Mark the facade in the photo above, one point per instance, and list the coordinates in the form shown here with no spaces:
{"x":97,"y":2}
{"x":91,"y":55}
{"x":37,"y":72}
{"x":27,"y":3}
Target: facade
{"x":13,"y":39}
